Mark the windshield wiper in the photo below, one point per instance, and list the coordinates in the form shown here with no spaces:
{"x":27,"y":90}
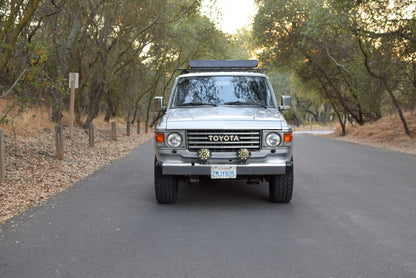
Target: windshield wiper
{"x":245,"y":103}
{"x":197,"y":104}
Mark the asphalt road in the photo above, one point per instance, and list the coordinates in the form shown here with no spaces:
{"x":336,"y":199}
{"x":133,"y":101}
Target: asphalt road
{"x":353,"y":215}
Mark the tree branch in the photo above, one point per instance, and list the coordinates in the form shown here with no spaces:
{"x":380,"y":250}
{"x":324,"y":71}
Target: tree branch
{"x":14,"y":84}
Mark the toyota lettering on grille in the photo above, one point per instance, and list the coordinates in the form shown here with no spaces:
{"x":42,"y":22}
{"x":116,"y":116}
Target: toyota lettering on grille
{"x":223,"y":138}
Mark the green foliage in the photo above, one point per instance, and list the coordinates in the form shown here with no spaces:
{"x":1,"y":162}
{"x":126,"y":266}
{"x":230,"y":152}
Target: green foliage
{"x":125,"y":51}
{"x":349,"y":53}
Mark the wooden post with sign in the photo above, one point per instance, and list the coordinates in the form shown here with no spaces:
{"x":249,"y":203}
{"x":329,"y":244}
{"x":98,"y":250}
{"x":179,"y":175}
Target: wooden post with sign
{"x":73,"y":84}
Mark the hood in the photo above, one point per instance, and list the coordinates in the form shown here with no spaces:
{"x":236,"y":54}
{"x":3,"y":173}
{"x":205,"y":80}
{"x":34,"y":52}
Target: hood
{"x":235,"y":117}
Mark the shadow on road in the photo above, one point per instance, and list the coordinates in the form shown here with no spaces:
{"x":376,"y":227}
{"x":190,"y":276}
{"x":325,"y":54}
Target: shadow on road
{"x":223,"y":192}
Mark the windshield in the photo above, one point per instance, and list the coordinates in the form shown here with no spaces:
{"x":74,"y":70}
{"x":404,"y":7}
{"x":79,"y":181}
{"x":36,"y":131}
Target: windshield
{"x":222,"y":90}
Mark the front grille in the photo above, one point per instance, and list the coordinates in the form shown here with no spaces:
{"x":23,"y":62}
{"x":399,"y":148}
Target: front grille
{"x":223,"y":140}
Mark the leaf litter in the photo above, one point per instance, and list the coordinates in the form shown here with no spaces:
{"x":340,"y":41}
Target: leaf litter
{"x":33,"y":174}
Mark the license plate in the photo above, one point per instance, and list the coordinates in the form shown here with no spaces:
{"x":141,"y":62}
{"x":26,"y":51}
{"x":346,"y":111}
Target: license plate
{"x":223,"y":172}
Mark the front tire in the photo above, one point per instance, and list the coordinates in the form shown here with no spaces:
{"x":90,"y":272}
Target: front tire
{"x":281,"y":188}
{"x":166,"y":187}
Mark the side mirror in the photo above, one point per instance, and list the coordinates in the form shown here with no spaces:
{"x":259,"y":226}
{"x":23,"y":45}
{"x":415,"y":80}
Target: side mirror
{"x":158,"y":104}
{"x":286,"y":103}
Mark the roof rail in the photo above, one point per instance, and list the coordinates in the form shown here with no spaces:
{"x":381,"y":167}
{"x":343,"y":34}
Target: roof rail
{"x":222,"y":65}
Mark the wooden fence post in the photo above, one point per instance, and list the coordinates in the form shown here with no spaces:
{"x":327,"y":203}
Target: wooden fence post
{"x":2,"y":165}
{"x":138,"y":126}
{"x":114,"y":131}
{"x":128,"y":128}
{"x":59,"y":142}
{"x":91,"y":135}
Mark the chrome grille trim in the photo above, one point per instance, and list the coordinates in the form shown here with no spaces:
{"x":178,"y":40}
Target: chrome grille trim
{"x":199,"y":139}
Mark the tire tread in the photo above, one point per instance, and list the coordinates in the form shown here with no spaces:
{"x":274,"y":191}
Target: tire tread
{"x":166,"y":188}
{"x":281,"y":188}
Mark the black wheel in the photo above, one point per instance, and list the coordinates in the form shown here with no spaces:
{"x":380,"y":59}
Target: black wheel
{"x":281,"y":188}
{"x":166,"y":187}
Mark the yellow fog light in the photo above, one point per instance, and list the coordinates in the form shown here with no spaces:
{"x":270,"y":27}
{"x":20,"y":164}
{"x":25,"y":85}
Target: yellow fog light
{"x":243,"y":154}
{"x":204,"y":154}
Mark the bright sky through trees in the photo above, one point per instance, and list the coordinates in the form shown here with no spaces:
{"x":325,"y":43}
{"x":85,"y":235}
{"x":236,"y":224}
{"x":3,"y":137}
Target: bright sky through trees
{"x":230,"y":15}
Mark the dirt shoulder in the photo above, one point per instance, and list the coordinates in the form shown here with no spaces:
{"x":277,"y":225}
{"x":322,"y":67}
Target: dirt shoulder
{"x":33,"y":174}
{"x":387,"y":133}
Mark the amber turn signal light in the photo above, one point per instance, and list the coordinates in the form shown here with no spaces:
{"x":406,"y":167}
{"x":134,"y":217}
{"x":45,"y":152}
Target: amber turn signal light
{"x":288,"y":137}
{"x":160,"y":137}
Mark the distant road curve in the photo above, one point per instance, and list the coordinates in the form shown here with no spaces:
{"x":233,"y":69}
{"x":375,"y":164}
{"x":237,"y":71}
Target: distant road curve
{"x":314,"y":132}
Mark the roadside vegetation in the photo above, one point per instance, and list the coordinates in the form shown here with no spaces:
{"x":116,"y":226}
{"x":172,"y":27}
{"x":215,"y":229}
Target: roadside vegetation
{"x":354,"y":59}
{"x":125,"y":52}
{"x":386,"y":133}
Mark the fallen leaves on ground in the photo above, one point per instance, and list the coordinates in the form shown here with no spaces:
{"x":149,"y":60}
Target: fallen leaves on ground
{"x":33,"y":174}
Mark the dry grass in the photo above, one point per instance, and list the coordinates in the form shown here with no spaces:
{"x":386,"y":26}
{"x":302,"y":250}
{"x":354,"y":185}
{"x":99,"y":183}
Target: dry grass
{"x":387,"y":133}
{"x":33,"y":121}
{"x":24,"y":124}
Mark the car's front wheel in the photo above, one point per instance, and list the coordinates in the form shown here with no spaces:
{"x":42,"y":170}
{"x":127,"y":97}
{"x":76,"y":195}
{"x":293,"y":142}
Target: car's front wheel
{"x":281,"y":188}
{"x":166,"y":187}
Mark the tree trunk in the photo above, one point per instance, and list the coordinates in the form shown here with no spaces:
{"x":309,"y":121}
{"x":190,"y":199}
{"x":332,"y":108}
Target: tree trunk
{"x":134,"y":114}
{"x":341,"y":122}
{"x":110,"y":107}
{"x":92,"y":113}
{"x":96,"y":94}
{"x":383,"y":78}
{"x":57,"y":105}
{"x":13,"y":31}
{"x":149,"y":105}
{"x":327,"y":110}
{"x":399,"y":110}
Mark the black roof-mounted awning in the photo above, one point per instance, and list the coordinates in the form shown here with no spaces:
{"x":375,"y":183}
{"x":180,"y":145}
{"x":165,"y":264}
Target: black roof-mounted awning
{"x":222,"y":65}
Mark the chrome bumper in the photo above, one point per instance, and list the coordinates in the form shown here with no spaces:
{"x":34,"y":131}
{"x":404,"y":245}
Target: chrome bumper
{"x":251,"y":169}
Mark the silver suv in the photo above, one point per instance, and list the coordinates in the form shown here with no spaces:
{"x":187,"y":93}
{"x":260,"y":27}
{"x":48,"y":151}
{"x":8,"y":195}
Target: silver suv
{"x":223,"y":122}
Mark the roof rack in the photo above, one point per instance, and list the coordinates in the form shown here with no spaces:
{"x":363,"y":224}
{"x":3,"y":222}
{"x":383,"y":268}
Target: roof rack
{"x":222,"y":66}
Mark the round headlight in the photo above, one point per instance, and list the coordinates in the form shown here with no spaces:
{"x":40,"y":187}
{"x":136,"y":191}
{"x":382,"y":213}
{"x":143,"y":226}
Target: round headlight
{"x":273,"y":139}
{"x":174,"y":140}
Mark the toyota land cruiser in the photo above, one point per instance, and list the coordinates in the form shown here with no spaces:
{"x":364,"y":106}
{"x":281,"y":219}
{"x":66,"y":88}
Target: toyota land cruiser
{"x":223,"y":122}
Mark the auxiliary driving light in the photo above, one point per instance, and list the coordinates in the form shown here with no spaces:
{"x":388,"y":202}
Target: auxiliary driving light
{"x":243,"y":154}
{"x":204,"y":154}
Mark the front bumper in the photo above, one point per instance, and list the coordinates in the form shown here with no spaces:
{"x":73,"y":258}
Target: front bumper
{"x":251,"y":169}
